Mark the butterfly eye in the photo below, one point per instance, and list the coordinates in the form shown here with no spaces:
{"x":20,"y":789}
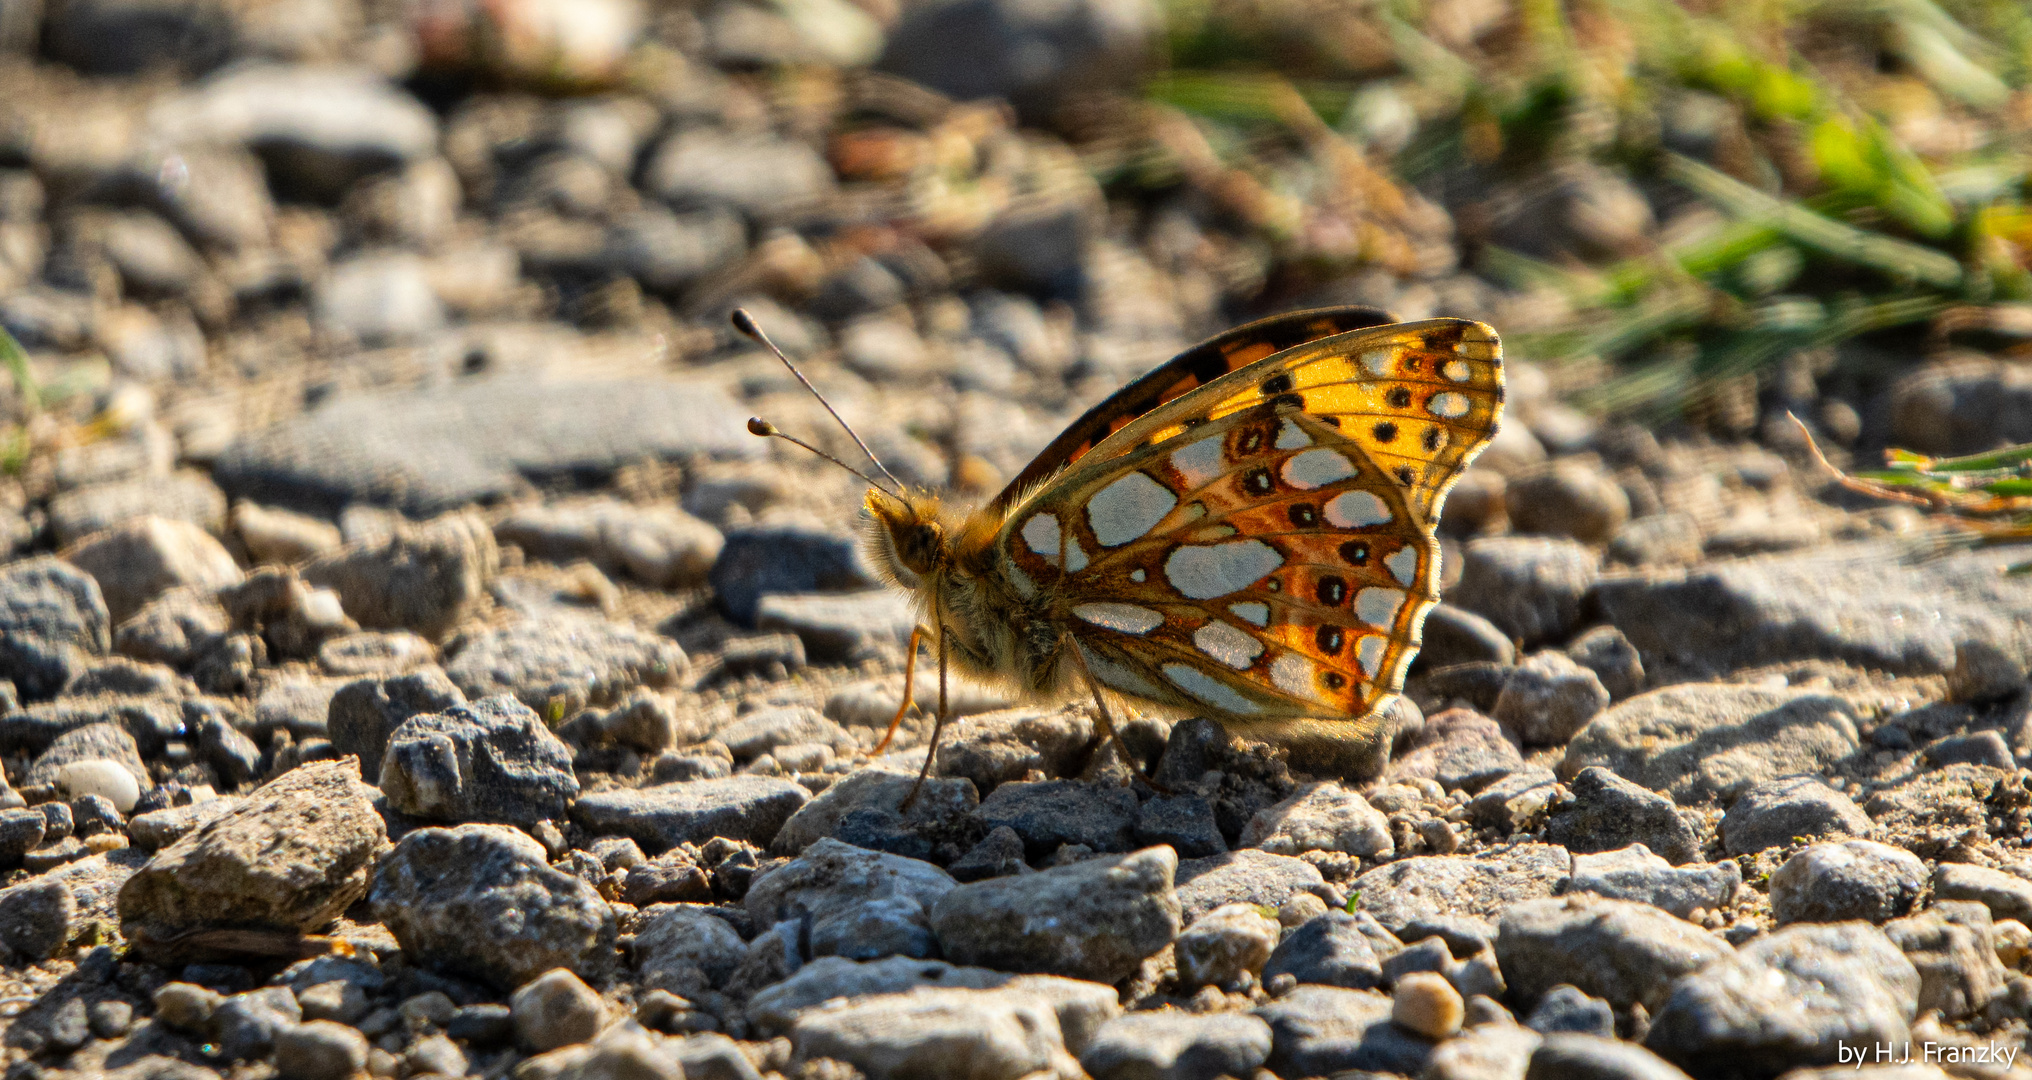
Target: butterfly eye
{"x":1329,"y":639}
{"x":1304,"y":515}
{"x":1355,"y":553}
{"x":1258,"y":482}
{"x":1398,"y":397}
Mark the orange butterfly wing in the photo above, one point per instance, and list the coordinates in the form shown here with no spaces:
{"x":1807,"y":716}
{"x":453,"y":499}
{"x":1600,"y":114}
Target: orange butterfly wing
{"x":1262,"y":547}
{"x":1182,"y":374}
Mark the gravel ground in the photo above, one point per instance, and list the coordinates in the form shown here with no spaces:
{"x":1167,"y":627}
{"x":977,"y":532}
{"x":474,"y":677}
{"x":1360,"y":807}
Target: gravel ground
{"x":412,"y":668}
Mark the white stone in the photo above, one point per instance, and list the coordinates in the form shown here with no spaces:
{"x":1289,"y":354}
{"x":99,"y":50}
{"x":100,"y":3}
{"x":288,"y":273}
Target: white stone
{"x":98,"y":776}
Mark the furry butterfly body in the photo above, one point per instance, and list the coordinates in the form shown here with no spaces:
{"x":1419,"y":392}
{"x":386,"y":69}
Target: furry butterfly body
{"x":1245,"y":533}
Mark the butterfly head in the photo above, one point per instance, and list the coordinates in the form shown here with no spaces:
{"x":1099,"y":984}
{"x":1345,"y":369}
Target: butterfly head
{"x":907,"y":535}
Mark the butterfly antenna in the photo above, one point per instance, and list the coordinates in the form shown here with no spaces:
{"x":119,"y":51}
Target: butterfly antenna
{"x":759,"y":426}
{"x":745,"y":323}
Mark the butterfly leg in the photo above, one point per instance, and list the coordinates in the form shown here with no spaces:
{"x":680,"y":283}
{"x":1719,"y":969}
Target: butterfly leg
{"x":937,"y":724}
{"x":1109,"y":730}
{"x":917,"y":634}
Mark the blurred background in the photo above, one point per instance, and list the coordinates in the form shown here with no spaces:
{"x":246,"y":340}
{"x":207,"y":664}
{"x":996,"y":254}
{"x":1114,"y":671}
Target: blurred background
{"x":219,"y":218}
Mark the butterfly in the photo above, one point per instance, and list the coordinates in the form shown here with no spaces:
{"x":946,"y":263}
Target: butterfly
{"x":1244,"y":533}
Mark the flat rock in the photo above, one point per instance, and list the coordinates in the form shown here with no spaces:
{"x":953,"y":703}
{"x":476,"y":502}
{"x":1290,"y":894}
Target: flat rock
{"x":1049,"y":814}
{"x":1701,"y":742}
{"x":1618,"y":950}
{"x":481,"y":902}
{"x":53,"y":620}
{"x":1777,"y":812}
{"x":936,"y":1031}
{"x":750,"y":808}
{"x":291,"y":856}
{"x":1173,"y":1045}
{"x":491,"y":761}
{"x":1860,"y":603}
{"x":475,"y":441}
{"x":1595,"y":1056}
{"x":940,"y":811}
{"x":1005,"y":744}
{"x":1107,"y":914}
{"x":760,"y":562}
{"x":559,"y":665}
{"x":189,"y":497}
{"x":1399,"y":893}
{"x":1244,"y":876}
{"x":1634,"y":873}
{"x":2008,"y":896}
{"x":1320,"y":817}
{"x":1082,"y":1007}
{"x":1458,"y":749}
{"x":1795,"y":997}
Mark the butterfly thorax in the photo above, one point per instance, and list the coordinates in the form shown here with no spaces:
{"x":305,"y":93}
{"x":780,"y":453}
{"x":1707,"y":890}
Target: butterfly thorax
{"x":944,"y":557}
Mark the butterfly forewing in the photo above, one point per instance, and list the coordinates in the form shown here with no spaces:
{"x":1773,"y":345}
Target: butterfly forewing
{"x":1262,"y":547}
{"x":1184,"y":373}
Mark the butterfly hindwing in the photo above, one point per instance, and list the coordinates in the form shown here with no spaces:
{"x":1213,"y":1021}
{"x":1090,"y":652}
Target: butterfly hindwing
{"x":1258,"y":547}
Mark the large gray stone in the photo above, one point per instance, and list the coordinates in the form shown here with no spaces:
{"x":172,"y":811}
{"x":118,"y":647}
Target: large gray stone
{"x":1107,"y":914}
{"x":1777,"y":812}
{"x":1177,"y":1046}
{"x":1796,"y":997}
{"x":481,"y":902}
{"x":852,"y":902}
{"x":1849,"y":879}
{"x":292,"y":856}
{"x":491,"y":761}
{"x":1402,"y":892}
{"x":474,"y":441}
{"x":426,"y":578}
{"x":1082,"y":1007}
{"x":1706,"y":741}
{"x":52,"y":622}
{"x":1861,"y":603}
{"x":1318,"y":1030}
{"x":1634,"y":873}
{"x":941,"y":810}
{"x":1618,"y":950}
{"x":363,"y":713}
{"x":1530,"y":587}
{"x":1247,"y":876}
{"x":1034,"y":57}
{"x":934,"y":1031}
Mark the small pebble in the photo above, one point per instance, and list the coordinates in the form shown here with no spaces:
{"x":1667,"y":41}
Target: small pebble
{"x":319,"y":1050}
{"x":1302,"y":908}
{"x":98,"y":776}
{"x":1427,"y":1004}
{"x":556,"y":1009}
{"x":2014,"y":942}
